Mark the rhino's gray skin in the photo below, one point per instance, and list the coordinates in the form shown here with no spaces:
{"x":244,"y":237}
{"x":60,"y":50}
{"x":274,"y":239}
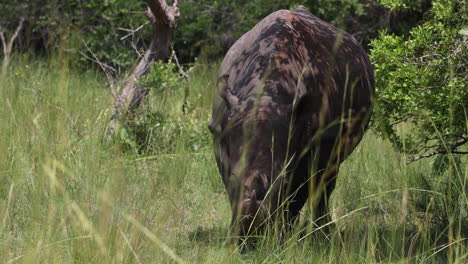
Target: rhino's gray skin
{"x":294,"y":97}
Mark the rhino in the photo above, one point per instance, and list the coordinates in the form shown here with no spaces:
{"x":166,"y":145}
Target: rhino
{"x":294,"y":97}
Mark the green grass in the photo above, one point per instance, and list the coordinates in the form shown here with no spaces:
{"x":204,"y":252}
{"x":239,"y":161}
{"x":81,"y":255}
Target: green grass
{"x":67,"y":197}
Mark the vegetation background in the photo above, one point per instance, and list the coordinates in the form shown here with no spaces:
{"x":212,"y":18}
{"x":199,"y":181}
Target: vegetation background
{"x":154,"y":194}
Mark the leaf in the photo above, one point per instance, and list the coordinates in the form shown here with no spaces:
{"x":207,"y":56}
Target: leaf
{"x":463,"y":31}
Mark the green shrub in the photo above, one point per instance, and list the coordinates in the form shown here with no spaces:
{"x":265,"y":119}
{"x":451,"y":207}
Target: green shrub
{"x":422,"y":109}
{"x":160,"y":126}
{"x":422,"y":81}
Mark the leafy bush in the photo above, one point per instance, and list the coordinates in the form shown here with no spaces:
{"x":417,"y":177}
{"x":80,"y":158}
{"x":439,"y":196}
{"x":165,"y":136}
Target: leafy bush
{"x":422,"y":81}
{"x":160,"y":125}
{"x":422,"y":108}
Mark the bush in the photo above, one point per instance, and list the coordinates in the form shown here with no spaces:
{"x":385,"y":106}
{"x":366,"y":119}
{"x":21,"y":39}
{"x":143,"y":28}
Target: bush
{"x":160,"y":126}
{"x":421,"y":81}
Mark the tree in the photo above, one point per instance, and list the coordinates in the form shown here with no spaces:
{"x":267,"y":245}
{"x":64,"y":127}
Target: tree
{"x":8,"y":44}
{"x":422,"y":81}
{"x":163,"y":19}
{"x":11,"y":24}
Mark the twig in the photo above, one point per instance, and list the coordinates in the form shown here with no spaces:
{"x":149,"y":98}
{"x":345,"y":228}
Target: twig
{"x":181,"y":70}
{"x":452,"y":150}
{"x":429,"y":87}
{"x":135,"y":48}
{"x":137,"y":12}
{"x":132,"y":31}
{"x":2,"y":36}
{"x":105,"y":68}
{"x":187,"y":79}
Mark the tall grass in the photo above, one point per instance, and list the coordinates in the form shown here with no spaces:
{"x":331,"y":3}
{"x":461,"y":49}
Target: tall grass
{"x":65,"y":196}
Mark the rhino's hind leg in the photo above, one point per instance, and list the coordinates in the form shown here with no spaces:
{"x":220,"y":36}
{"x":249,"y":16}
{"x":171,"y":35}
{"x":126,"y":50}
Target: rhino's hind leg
{"x":321,"y":213}
{"x":322,"y":185}
{"x":298,"y":191}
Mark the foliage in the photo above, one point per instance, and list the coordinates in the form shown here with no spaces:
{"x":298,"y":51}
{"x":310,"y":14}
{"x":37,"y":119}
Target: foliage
{"x":364,"y":18}
{"x":157,"y":131}
{"x":206,"y":28}
{"x":162,"y":77}
{"x":91,"y":23}
{"x":423,"y":81}
{"x":99,"y":25}
{"x":209,"y":27}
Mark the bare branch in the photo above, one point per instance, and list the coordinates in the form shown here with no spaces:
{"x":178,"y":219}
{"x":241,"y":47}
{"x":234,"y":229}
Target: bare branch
{"x":132,"y":31}
{"x":451,"y":150}
{"x":150,"y":16}
{"x":105,"y":68}
{"x":137,"y":12}
{"x":181,"y":70}
{"x":168,"y":14}
{"x":2,"y":36}
{"x":15,"y":35}
{"x":187,"y":79}
{"x":8,"y":47}
{"x":135,"y":48}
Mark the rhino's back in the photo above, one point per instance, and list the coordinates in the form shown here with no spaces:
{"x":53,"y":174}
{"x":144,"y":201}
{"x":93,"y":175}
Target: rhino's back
{"x":290,"y":45}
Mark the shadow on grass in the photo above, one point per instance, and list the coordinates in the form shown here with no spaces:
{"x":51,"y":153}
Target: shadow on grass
{"x":385,"y":243}
{"x":210,"y":236}
{"x":379,"y":243}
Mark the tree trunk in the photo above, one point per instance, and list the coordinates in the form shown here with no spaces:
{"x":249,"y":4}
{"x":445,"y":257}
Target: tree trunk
{"x":163,"y":19}
{"x":8,"y":47}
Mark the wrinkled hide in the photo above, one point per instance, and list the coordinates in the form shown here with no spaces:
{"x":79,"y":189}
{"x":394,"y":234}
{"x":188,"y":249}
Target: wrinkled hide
{"x":294,"y":98}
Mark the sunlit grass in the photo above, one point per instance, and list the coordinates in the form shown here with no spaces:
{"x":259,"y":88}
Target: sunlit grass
{"x":67,"y":197}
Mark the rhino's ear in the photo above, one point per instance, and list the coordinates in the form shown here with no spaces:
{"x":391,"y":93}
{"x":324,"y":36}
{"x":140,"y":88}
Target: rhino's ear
{"x":225,"y":92}
{"x":214,"y":127}
{"x":230,"y":99}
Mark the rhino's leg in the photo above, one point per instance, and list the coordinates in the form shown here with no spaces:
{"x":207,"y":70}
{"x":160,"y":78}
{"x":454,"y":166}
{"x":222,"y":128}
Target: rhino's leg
{"x":292,"y":197}
{"x":323,"y":183}
{"x":321,"y":214}
{"x":298,"y":191}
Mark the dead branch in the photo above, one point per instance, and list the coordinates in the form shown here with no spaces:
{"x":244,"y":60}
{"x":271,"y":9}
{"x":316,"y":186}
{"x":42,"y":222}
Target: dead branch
{"x":8,"y":47}
{"x":132,"y":31}
{"x":163,"y":19}
{"x":2,"y":36}
{"x":187,"y":79}
{"x":108,"y":70}
{"x":451,"y":150}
